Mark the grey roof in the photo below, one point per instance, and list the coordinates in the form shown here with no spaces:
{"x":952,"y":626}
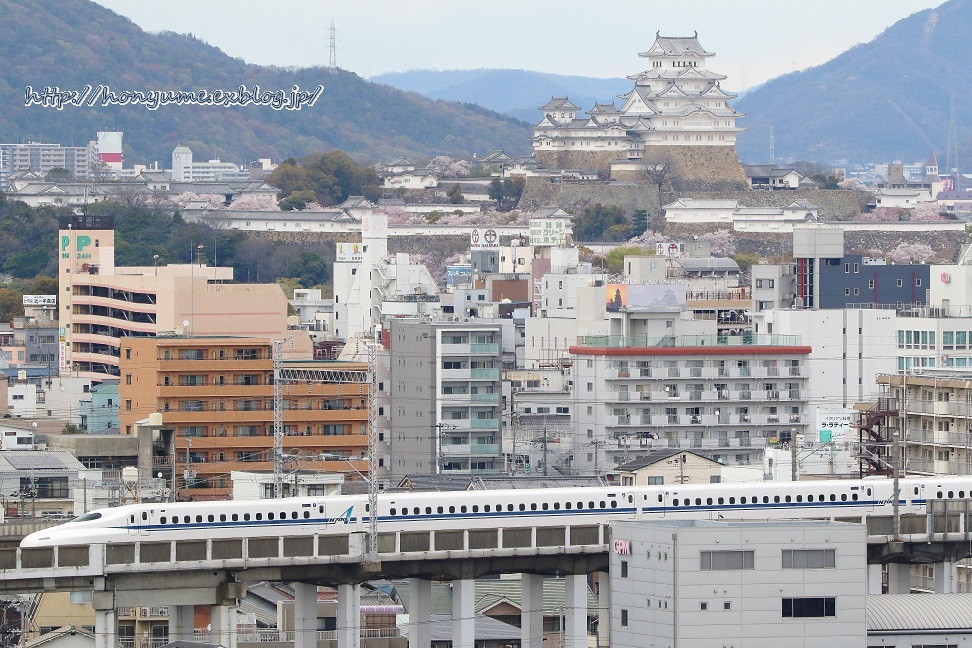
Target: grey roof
{"x":490,"y":592}
{"x":765,"y":170}
{"x":220,"y":187}
{"x":759,"y":211}
{"x":914,"y":612}
{"x":46,"y":461}
{"x":656,"y":456}
{"x":487,"y":629}
{"x":801,"y":204}
{"x":559,"y":103}
{"x":355,"y":201}
{"x":503,"y":482}
{"x":603,"y":109}
{"x":678,"y":45}
{"x":709,"y":263}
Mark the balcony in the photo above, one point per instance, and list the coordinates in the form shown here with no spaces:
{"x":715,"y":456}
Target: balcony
{"x":773,"y":395}
{"x":642,"y":341}
{"x":491,"y":373}
{"x":491,"y":449}
{"x":485,"y":424}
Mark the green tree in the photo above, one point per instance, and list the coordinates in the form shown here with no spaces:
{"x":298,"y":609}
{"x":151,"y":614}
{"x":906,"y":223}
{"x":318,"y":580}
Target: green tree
{"x":640,"y":221}
{"x":455,"y":195}
{"x":614,"y":259}
{"x":288,"y":178}
{"x":298,"y":200}
{"x":59,"y":174}
{"x":746,"y":260}
{"x":602,"y":223}
{"x":495,"y":190}
{"x":11,"y":304}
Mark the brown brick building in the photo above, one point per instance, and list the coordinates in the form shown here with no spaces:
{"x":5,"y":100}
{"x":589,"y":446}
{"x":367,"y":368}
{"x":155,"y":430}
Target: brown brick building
{"x":216,"y":394}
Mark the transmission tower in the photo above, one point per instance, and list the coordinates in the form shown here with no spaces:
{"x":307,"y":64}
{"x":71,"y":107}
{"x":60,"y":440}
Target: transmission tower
{"x":278,"y":431}
{"x":951,"y":162}
{"x":772,"y":151}
{"x":332,"y":59}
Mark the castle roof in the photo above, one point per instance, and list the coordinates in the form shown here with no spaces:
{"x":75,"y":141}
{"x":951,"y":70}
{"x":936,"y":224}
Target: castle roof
{"x":676,"y":46}
{"x":603,"y":109}
{"x":559,"y":103}
{"x":672,"y":74}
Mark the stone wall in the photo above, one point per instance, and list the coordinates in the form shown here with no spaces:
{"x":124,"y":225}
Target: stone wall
{"x":694,"y":165}
{"x":575,"y":196}
{"x":582,"y":160}
{"x":835,"y":204}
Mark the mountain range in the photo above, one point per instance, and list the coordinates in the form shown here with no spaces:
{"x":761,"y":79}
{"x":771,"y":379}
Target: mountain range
{"x":72,"y":43}
{"x":883,"y":100}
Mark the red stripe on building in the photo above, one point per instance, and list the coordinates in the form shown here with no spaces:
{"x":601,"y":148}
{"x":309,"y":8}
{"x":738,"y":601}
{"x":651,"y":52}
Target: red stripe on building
{"x":109,"y":157}
{"x":699,"y":350}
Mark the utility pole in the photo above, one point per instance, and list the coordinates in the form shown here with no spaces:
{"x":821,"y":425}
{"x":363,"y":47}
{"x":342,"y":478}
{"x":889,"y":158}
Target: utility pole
{"x":794,"y":470}
{"x":372,"y":446}
{"x":278,"y":431}
{"x":185,"y":471}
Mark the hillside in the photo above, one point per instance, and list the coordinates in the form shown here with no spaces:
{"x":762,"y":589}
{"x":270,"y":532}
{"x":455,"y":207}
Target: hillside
{"x":517,"y":93}
{"x":71,"y":43}
{"x":883,"y":100}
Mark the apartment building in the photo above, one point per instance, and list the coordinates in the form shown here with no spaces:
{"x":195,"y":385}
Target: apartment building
{"x":216,"y":394}
{"x":101,"y":304}
{"x":446,"y":413}
{"x":724,"y":397}
{"x":931,"y":413}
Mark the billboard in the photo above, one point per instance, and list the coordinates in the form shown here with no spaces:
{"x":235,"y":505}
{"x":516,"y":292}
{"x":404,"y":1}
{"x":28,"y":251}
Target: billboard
{"x":670,"y":250}
{"x":458,"y":274}
{"x":645,"y":298}
{"x":40,"y":300}
{"x":349,"y":253}
{"x":483,"y":238}
{"x":834,"y":424}
{"x":548,"y":231}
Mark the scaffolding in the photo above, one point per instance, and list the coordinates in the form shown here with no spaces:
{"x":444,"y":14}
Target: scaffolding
{"x":876,"y":437}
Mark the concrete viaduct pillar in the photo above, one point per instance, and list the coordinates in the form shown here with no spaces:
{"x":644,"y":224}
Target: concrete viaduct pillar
{"x":305,"y":615}
{"x":349,"y":616}
{"x":419,"y":613}
{"x":181,"y":622}
{"x":575,"y":611}
{"x":106,"y":619}
{"x":463,"y":613}
{"x":531,"y":611}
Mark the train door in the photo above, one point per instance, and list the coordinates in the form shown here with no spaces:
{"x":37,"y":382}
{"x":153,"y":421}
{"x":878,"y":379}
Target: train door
{"x":917,"y":497}
{"x":138,"y":523}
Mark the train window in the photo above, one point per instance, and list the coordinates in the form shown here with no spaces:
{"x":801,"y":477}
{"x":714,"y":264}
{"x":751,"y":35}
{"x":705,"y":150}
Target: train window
{"x":404,"y":510}
{"x":698,"y":501}
{"x":235,"y":517}
{"x":580,"y":505}
{"x":788,"y":498}
{"x":293,"y":515}
{"x":212,"y":518}
{"x":843,"y":497}
{"x":509,"y":507}
{"x":722,"y":500}
{"x":951,"y":495}
{"x":732,"y":500}
{"x":306,"y":515}
{"x":869,"y":491}
{"x":833,"y":498}
{"x":439,"y":510}
{"x":939,"y":494}
{"x":259,"y":516}
{"x":742,"y":500}
{"x":809,"y":498}
{"x":799,"y":498}
{"x":175,"y":519}
{"x":428,"y":510}
{"x":462,"y":509}
{"x":591,"y":504}
{"x":567,"y":505}
{"x":416,"y":510}
{"x":144,"y":515}
{"x":522,"y":507}
{"x":614,"y":504}
{"x":630,"y":499}
{"x":186,"y":519}
{"x":854,"y":496}
{"x":765,"y":499}
{"x":486,"y":508}
{"x":283,"y":515}
{"x":659,"y":499}
{"x":452,"y":509}
{"x":603,"y":505}
{"x":198,"y":518}
{"x":533,"y":506}
{"x":131,"y":519}
{"x":557,"y":506}
{"x":708,"y":500}
{"x":394,"y":511}
{"x":162,"y":520}
{"x":675,"y":502}
{"x":270,"y":516}
{"x":475,"y":508}
{"x":545,"y":506}
{"x":961,"y":494}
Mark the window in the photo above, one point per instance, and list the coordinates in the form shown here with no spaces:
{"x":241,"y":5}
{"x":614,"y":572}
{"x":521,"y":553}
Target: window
{"x":809,"y":607}
{"x":624,"y":618}
{"x":719,"y":560}
{"x":809,"y":558}
{"x":624,"y":569}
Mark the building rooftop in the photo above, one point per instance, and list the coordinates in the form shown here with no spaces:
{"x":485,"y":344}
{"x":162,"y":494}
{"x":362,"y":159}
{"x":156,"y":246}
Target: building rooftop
{"x":918,"y":612}
{"x":656,"y":456}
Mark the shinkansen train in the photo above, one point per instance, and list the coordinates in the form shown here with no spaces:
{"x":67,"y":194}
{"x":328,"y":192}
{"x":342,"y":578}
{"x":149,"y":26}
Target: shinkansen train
{"x":498,"y":508}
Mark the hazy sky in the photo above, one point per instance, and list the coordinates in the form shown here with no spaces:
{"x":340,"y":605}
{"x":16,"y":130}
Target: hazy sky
{"x":754,"y":40}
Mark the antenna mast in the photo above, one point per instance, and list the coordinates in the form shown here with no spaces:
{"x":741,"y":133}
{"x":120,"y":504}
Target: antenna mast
{"x":278,"y":432}
{"x":951,"y":163}
{"x":772,"y":151}
{"x":332,"y":59}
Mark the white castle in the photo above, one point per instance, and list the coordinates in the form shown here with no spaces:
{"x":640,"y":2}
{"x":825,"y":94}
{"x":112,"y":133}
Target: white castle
{"x":676,"y":102}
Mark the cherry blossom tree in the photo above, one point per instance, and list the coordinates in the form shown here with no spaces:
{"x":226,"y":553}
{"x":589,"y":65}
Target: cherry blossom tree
{"x":255,"y":203}
{"x":911,"y":253}
{"x":723,"y":242}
